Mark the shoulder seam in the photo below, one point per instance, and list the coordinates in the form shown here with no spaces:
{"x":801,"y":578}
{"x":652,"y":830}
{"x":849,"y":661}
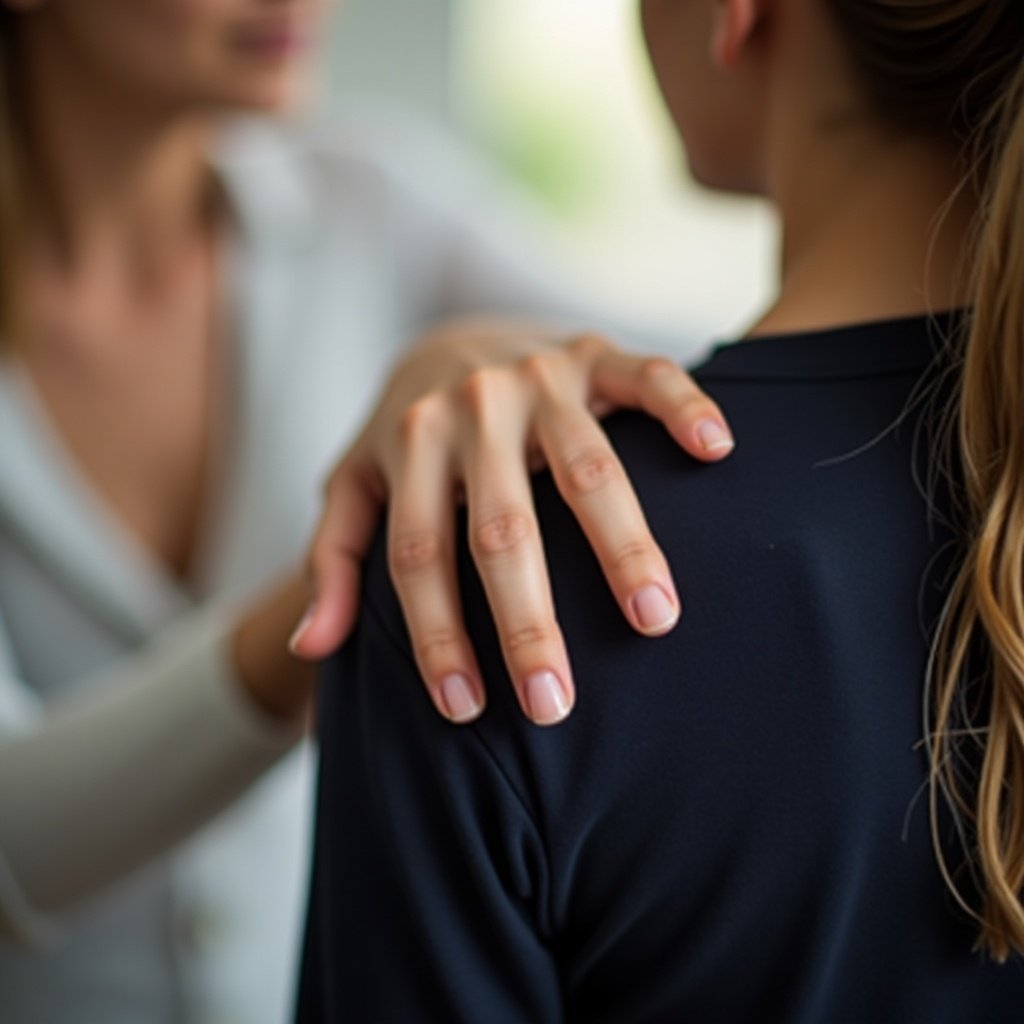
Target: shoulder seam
{"x":402,"y":649}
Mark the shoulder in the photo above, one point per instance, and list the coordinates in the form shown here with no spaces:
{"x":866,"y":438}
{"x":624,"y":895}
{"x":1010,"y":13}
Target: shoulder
{"x":744,"y":751}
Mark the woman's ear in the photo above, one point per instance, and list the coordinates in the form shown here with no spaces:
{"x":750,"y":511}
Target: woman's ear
{"x":732,"y":26}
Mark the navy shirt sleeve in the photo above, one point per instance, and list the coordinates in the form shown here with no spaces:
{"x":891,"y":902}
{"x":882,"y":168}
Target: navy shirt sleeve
{"x":428,"y":899}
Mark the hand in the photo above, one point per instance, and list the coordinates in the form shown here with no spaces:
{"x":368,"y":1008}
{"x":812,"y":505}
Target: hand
{"x":471,"y":409}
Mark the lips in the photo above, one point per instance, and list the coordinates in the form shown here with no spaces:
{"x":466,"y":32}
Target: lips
{"x":270,"y":40}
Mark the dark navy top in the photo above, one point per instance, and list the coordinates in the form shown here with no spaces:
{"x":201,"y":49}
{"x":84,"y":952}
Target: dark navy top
{"x":733,"y":824}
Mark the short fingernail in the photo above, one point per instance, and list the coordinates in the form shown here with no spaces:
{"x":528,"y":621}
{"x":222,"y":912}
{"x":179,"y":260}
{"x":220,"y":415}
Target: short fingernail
{"x":460,"y":703}
{"x":654,"y":610}
{"x":301,"y":628}
{"x":714,"y":437}
{"x":545,"y":698}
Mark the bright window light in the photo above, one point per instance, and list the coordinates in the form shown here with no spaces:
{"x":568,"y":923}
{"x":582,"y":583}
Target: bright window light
{"x":560,"y":92}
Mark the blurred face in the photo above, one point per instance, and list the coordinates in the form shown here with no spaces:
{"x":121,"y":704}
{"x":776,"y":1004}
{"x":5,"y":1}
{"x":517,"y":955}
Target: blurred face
{"x":250,"y":54}
{"x":715,"y":108}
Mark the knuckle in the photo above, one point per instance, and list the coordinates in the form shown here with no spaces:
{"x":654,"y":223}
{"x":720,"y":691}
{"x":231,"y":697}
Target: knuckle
{"x":480,"y":389}
{"x":656,"y":369}
{"x":411,"y":552}
{"x":340,"y":551}
{"x":591,"y":470}
{"x":501,"y":533}
{"x":320,"y":551}
{"x":426,"y":416}
{"x":540,"y":368}
{"x":324,"y":556}
{"x":351,"y":475}
{"x":589,"y":345}
{"x":434,"y":645}
{"x":528,"y":636}
{"x":632,"y":551}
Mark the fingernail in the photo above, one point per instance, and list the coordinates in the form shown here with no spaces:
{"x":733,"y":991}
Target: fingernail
{"x":460,"y":703}
{"x":655,"y":612}
{"x":301,"y":628}
{"x":714,"y":437}
{"x":545,"y":698}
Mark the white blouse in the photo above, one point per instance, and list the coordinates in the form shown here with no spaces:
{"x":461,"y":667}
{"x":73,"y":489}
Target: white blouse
{"x":121,"y":729}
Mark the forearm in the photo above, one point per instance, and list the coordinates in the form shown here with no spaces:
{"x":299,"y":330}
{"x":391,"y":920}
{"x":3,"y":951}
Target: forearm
{"x":122,"y":772}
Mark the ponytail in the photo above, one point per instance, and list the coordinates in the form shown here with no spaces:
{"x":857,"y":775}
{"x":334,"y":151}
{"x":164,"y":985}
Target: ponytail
{"x":977,"y":748}
{"x":955,"y":69}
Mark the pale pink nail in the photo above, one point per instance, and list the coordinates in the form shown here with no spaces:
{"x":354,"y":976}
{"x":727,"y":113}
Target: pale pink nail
{"x":301,"y":628}
{"x":460,"y":703}
{"x":545,"y":698}
{"x":714,"y":437}
{"x":654,"y":610}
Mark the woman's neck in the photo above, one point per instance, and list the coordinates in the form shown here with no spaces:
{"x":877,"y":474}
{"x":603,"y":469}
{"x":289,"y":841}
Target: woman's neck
{"x":875,"y":223}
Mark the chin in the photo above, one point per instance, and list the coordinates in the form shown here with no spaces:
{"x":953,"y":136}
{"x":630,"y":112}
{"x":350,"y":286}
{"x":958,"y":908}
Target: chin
{"x":283,"y":96}
{"x":708,"y":174}
{"x":703,"y":175}
{"x":722,"y":175}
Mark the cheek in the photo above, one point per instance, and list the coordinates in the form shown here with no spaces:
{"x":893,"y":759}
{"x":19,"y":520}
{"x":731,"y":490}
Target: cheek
{"x":182,"y":46}
{"x":675,"y":32}
{"x":146,"y":45}
{"x":720,"y":129}
{"x":711,"y":109}
{"x":662,"y":24}
{"x":250,"y":53}
{"x":186,"y":52}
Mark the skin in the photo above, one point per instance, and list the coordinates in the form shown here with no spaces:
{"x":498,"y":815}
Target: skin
{"x":125,"y":340}
{"x":870,"y":230}
{"x":123,"y":266}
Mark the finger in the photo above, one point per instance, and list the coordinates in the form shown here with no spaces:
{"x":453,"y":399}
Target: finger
{"x":506,"y":547}
{"x":667,"y":392}
{"x":353,"y":501}
{"x":421,"y":557}
{"x":594,"y":484}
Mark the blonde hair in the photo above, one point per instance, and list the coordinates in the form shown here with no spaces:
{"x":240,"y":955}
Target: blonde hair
{"x":958,"y":66}
{"x":986,"y":601}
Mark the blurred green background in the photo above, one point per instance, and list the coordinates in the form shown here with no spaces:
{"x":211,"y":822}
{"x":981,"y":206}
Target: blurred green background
{"x":558,"y":93}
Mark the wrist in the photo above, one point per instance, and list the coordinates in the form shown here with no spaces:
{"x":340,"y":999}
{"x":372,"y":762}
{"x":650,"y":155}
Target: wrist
{"x":278,"y":683}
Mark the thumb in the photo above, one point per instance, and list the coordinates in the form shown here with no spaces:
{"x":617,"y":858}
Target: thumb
{"x":334,"y":562}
